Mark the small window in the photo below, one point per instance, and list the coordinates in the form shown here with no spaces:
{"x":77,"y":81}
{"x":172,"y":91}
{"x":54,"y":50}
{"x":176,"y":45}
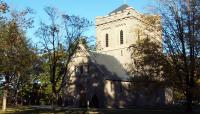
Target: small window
{"x":129,"y":86}
{"x":112,"y":85}
{"x":81,"y":69}
{"x":87,"y":69}
{"x":106,"y":40}
{"x":120,"y":87}
{"x":138,"y":35}
{"x":121,"y":52}
{"x":147,"y":37}
{"x":121,"y":37}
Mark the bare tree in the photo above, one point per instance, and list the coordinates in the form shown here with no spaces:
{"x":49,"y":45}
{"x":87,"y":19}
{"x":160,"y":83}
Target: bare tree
{"x":181,"y":36}
{"x":179,"y":59}
{"x":60,"y":44}
{"x":3,"y":6}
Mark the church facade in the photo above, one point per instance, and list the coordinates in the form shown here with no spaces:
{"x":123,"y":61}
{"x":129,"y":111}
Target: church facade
{"x":100,"y":78}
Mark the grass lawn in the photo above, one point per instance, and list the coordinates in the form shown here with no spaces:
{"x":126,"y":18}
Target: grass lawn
{"x":31,"y":110}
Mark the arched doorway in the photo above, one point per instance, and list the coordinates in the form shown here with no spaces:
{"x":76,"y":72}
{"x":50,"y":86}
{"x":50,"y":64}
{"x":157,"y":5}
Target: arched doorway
{"x":83,"y":99}
{"x":94,"y":102}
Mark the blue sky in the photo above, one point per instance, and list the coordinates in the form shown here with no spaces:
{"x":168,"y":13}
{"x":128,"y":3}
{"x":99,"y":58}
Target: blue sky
{"x":84,"y":8}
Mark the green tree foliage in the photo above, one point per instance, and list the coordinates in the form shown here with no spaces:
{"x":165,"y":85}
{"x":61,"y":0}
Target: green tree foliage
{"x":148,"y":60}
{"x":16,"y":52}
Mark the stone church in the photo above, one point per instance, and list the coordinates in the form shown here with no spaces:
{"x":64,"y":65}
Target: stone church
{"x":100,"y":78}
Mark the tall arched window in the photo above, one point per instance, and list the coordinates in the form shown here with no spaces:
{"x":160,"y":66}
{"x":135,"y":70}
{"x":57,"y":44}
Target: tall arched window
{"x":106,"y":40}
{"x":121,"y":37}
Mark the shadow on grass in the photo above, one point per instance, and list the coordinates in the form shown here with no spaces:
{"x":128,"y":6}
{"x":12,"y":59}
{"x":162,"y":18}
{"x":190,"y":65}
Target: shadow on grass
{"x":31,"y":110}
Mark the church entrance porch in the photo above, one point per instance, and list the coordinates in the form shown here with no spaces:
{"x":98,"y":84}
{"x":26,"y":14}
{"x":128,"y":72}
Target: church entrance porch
{"x":94,"y":103}
{"x":83,"y":99}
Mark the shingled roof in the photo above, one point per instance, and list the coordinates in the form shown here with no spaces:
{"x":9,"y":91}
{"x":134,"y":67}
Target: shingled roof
{"x":121,"y":8}
{"x":109,"y":65}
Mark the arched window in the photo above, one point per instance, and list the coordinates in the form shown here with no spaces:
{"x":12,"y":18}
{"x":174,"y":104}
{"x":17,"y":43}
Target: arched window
{"x":81,"y":69}
{"x":106,"y":40}
{"x":121,"y":37}
{"x":138,"y":34}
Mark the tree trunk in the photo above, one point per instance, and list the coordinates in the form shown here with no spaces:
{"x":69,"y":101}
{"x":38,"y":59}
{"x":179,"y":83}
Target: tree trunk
{"x":5,"y":93}
{"x":17,"y":88}
{"x":189,"y":100}
{"x":53,"y":99}
{"x":16,"y":98}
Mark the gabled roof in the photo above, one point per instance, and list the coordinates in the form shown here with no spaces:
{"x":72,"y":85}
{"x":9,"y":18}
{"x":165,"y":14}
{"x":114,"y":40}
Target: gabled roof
{"x":121,"y":8}
{"x":109,"y":66}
